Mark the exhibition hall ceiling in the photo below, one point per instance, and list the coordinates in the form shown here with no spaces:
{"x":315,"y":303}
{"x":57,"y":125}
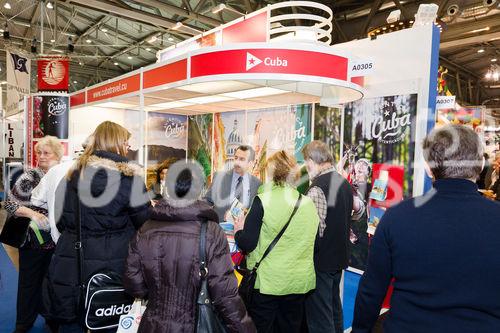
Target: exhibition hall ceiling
{"x":112,"y":37}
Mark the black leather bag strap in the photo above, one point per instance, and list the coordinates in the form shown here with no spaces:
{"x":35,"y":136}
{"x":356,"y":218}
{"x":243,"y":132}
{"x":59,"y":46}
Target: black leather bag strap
{"x":277,"y":238}
{"x":203,"y":297}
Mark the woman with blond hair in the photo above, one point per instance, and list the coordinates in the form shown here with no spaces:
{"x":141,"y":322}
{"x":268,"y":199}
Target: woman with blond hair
{"x":34,"y":258}
{"x":286,"y":274}
{"x":108,"y":192}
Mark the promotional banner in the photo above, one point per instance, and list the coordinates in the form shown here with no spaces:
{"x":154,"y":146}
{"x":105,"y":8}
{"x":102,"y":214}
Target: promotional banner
{"x":166,"y":141}
{"x":200,"y":141}
{"x":14,"y":142}
{"x":18,"y":81}
{"x":50,"y":116}
{"x":266,"y":130}
{"x":379,"y":131}
{"x":229,"y":133}
{"x":327,"y":128}
{"x":282,"y":128}
{"x":53,"y":74}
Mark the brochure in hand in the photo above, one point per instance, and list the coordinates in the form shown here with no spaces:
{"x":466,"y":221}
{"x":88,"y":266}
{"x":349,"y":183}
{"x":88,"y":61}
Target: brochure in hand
{"x":234,"y":212}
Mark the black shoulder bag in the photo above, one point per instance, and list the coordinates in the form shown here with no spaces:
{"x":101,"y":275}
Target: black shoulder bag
{"x":207,"y":320}
{"x":15,"y":231}
{"x":247,"y":284}
{"x":102,"y":299}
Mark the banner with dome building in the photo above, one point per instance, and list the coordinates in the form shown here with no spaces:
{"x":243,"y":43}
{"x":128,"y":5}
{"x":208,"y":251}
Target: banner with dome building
{"x":266,"y":130}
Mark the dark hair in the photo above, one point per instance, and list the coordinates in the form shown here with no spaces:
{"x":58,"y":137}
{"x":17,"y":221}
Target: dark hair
{"x":453,"y":151}
{"x":183,"y":183}
{"x":318,"y":152}
{"x":251,"y":156}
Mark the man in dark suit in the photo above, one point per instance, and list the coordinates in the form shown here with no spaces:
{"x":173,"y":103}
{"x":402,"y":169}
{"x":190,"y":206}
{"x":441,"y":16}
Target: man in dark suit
{"x":234,"y":184}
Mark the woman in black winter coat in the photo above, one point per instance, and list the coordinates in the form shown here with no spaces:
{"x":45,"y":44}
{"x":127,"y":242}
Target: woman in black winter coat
{"x":114,"y":204}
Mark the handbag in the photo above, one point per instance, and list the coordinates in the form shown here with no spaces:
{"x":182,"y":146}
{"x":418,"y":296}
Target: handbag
{"x":129,"y":323}
{"x":102,"y":299}
{"x":207,"y":320}
{"x":15,"y":231}
{"x":247,"y":284}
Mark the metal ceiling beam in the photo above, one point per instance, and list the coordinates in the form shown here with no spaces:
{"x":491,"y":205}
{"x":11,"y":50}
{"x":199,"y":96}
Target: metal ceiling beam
{"x":188,"y":5}
{"x":29,"y":32}
{"x":171,"y":9}
{"x":248,"y":6}
{"x":461,"y":42}
{"x":339,"y":29}
{"x":453,"y":65}
{"x":458,"y":30}
{"x":91,"y":28}
{"x":134,"y":15}
{"x":375,"y":7}
{"x":129,"y":48}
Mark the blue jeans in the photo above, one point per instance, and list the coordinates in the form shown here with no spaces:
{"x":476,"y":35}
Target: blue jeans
{"x":323,"y":305}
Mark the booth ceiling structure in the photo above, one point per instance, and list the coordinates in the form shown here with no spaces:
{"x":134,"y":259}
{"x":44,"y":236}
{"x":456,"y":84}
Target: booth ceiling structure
{"x":112,"y":37}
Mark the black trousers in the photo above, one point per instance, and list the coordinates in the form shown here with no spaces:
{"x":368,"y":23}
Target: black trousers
{"x":277,"y":313}
{"x":33,"y":265}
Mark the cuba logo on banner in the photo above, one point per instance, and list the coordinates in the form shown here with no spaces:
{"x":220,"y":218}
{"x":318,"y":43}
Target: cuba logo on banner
{"x":391,"y":126}
{"x":174,"y":128}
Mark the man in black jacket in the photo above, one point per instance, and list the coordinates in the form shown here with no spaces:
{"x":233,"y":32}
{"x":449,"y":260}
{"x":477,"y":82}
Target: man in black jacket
{"x":333,"y":197}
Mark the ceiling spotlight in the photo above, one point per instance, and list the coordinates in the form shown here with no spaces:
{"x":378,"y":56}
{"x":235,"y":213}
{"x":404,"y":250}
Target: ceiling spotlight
{"x":177,"y":26}
{"x":152,"y":39}
{"x":494,"y":60}
{"x":480,"y":51}
{"x":115,"y":63}
{"x":148,"y":49}
{"x":71,"y":46}
{"x":89,"y":41}
{"x":33,"y":45}
{"x":52,"y":40}
{"x":6,"y":34}
{"x":129,"y":57}
{"x":80,"y":63}
{"x":49,"y":5}
{"x":7,"y":6}
{"x":75,"y":82}
{"x":170,"y":39}
{"x":218,"y":8}
{"x":104,"y":30}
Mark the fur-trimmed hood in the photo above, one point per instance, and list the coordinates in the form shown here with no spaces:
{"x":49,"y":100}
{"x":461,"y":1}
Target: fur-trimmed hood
{"x":127,"y":168}
{"x":97,"y":169}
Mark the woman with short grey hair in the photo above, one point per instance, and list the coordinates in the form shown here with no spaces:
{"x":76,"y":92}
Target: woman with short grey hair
{"x":440,"y":248}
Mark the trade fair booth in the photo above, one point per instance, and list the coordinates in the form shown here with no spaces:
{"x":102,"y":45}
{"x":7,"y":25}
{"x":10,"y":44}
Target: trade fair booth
{"x":261,"y":81}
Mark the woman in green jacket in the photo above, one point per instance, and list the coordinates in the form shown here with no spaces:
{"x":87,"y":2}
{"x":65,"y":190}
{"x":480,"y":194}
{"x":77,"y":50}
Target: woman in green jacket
{"x":287,"y":273}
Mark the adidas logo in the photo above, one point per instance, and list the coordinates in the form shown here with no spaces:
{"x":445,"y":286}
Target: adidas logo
{"x":253,"y":61}
{"x":113,"y":310}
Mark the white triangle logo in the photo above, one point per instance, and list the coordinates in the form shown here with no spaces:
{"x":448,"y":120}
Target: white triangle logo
{"x":252,"y":61}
